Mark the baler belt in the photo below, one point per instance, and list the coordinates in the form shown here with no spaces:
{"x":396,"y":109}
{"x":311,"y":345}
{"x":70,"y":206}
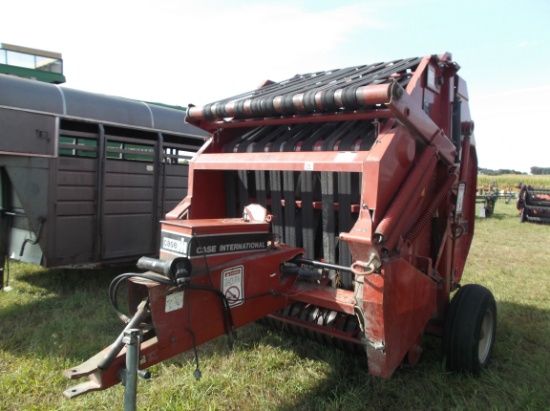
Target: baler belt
{"x":230,"y":195}
{"x":261,"y":187}
{"x":289,"y":196}
{"x":276,"y":206}
{"x":243,"y":187}
{"x":308,"y":221}
{"x":345,"y":224}
{"x":327,"y":187}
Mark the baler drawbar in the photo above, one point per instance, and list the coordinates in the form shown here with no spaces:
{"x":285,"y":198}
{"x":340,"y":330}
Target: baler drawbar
{"x":339,"y":205}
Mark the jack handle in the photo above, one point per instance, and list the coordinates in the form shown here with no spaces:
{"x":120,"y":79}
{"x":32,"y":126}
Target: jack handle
{"x":116,"y":347}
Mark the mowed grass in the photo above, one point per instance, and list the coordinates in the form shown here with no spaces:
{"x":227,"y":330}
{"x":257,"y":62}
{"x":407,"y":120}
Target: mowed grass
{"x":55,"y":319}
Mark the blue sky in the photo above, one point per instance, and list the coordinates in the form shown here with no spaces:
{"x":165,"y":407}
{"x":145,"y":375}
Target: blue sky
{"x":181,"y":52}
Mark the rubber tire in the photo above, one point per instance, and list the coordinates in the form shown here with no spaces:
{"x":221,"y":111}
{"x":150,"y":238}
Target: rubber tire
{"x":489,"y":207}
{"x":462,"y":337}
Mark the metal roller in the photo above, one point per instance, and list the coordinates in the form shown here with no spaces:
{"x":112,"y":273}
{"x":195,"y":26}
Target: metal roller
{"x":333,"y":90}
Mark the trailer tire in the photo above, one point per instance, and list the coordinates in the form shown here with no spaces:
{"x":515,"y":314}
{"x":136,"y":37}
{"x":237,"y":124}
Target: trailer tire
{"x":470,"y":329}
{"x":489,"y":206}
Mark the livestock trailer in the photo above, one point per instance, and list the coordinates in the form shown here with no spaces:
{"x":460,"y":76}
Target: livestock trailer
{"x":86,"y":177}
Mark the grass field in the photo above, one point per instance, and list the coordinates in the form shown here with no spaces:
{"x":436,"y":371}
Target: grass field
{"x":55,"y":319}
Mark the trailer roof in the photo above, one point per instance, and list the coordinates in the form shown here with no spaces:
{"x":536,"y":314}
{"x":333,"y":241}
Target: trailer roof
{"x":28,"y":50}
{"x":29,"y":95}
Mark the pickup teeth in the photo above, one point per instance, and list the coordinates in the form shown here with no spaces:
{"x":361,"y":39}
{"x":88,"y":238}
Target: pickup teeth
{"x":319,"y":324}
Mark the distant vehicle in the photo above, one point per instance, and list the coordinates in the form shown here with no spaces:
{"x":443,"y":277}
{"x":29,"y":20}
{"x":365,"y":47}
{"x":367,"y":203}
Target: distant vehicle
{"x":34,"y":64}
{"x":86,"y":177}
{"x":534,"y":204}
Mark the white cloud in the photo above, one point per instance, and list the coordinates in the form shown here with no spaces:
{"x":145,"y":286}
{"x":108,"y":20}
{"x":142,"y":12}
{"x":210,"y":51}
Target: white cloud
{"x":180,"y":54}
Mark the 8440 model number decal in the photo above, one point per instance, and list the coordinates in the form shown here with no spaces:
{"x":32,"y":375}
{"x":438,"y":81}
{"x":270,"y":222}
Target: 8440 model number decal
{"x":199,"y":246}
{"x":174,"y":243}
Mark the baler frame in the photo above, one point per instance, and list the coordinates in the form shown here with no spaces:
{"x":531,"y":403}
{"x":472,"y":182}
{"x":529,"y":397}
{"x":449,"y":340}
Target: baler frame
{"x":358,"y":192}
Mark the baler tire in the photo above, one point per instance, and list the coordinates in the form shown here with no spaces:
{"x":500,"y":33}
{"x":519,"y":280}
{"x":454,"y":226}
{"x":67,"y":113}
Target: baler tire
{"x":470,"y":329}
{"x":523,"y":215}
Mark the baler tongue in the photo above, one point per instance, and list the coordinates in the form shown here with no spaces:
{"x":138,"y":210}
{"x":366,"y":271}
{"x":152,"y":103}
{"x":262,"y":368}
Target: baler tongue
{"x":339,"y":204}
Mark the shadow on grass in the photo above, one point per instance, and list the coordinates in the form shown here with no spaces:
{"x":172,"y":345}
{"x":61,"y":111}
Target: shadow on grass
{"x":68,"y":280}
{"x":58,"y":312}
{"x":499,"y":216}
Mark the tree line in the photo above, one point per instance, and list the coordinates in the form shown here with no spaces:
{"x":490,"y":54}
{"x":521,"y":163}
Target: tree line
{"x":534,"y":171}
{"x":490,"y":172}
{"x":540,"y":170}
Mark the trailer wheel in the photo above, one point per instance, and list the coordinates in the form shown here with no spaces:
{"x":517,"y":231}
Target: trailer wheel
{"x":470,"y":329}
{"x":489,"y":206}
{"x":523,"y":215}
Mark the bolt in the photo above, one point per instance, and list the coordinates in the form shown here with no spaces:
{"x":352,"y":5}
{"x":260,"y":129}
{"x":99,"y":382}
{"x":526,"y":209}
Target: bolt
{"x":396,"y":91}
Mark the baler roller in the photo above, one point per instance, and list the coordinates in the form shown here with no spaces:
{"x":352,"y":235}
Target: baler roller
{"x":315,"y":92}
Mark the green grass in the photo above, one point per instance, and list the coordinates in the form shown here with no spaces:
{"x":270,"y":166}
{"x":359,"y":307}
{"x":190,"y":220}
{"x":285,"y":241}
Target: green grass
{"x":55,"y":319}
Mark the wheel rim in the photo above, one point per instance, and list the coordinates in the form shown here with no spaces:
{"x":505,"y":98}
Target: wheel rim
{"x":485,"y":336}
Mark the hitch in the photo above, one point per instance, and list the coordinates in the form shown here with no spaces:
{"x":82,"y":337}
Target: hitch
{"x":207,"y":295}
{"x":139,"y":316}
{"x":102,"y":361}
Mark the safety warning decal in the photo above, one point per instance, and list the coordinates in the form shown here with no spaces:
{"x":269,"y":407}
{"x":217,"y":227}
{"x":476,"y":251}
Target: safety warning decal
{"x":233,"y":285}
{"x":174,"y":301}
